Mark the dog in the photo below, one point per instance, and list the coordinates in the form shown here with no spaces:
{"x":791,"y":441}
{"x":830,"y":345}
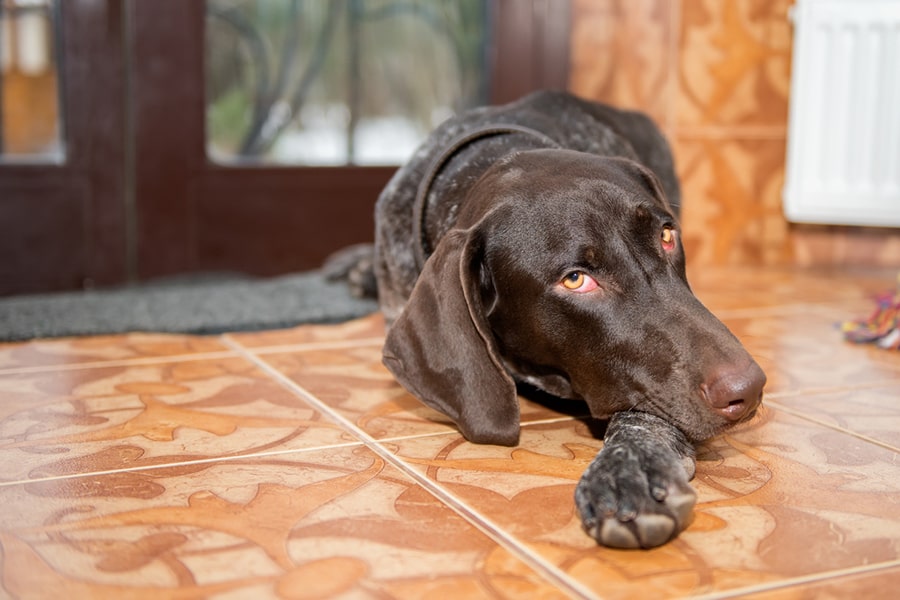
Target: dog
{"x":537,"y":245}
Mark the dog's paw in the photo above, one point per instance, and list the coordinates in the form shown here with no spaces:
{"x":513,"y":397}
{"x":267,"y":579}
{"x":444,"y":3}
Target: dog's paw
{"x":356,"y":266}
{"x":636,"y":497}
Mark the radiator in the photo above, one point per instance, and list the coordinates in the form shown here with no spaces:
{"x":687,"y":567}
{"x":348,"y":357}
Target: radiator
{"x":843,"y":150}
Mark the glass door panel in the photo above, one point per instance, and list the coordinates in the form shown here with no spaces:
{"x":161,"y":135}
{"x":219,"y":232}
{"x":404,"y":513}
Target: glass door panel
{"x":346,"y":82}
{"x":30,"y":117}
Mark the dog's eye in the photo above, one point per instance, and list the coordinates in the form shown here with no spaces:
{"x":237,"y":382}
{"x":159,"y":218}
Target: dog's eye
{"x":668,"y":238}
{"x":580,"y":282}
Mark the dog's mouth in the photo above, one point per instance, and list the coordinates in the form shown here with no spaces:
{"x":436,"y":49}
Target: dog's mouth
{"x":736,"y":411}
{"x":708,"y":422}
{"x":745,"y":411}
{"x":754,"y":418}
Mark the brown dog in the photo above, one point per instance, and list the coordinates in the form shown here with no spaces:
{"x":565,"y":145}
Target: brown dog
{"x":537,"y":243}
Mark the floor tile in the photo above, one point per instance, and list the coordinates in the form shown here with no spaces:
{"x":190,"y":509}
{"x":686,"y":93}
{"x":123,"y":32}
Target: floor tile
{"x":241,"y":466}
{"x":365,"y":329}
{"x":353,"y":382}
{"x":726,"y":290}
{"x":766,"y":492}
{"x":794,"y":498}
{"x":872,"y":583}
{"x":337,"y":523}
{"x":804,"y":350}
{"x":105,"y":348}
{"x":871,"y":412}
{"x":140,"y":415}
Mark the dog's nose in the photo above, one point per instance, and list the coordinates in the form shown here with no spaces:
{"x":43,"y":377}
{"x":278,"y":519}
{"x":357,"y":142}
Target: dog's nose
{"x":734,"y":391}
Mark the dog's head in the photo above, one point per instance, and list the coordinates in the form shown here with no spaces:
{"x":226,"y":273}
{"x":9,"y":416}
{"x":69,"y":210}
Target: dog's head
{"x":567,"y":272}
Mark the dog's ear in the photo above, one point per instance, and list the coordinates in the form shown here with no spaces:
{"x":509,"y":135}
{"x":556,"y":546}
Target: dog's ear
{"x":441,"y":348}
{"x":649,"y":181}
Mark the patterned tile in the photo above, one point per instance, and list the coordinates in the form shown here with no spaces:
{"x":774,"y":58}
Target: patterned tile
{"x":765,"y":492}
{"x":871,"y":412}
{"x":607,"y":64}
{"x":732,"y":212}
{"x":353,"y":382}
{"x":336,"y":523}
{"x":525,"y":490}
{"x":197,"y":467}
{"x":788,"y":289}
{"x":363,"y":330}
{"x":868,"y":583}
{"x":734,"y":63}
{"x":141,"y":415}
{"x":772,"y":488}
{"x":98,"y":349}
{"x":716,"y":75}
{"x":804,"y":351}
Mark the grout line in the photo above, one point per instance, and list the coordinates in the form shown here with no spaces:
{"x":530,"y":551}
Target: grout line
{"x":122,"y":362}
{"x":835,"y":389}
{"x":534,"y":560}
{"x":795,"y":582}
{"x":833,"y":427}
{"x":416,"y":436}
{"x":236,"y":350}
{"x":183,"y":463}
{"x":303,"y":347}
{"x":778,"y":310}
{"x":561,"y":419}
{"x":819,"y":308}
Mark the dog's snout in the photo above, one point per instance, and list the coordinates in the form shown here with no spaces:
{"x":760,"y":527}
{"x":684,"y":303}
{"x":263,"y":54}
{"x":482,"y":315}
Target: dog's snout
{"x":734,"y":392}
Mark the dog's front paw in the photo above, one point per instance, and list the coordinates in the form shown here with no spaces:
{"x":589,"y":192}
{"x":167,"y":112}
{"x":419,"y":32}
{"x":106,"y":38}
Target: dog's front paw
{"x":635,"y":494}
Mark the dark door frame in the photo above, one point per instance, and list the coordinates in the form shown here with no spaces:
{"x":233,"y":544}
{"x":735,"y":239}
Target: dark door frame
{"x":62,"y":225}
{"x":137,"y":198}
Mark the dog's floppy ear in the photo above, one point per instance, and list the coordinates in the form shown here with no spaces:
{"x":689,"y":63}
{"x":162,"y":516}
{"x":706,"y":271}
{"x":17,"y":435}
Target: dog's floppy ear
{"x":441,"y":349}
{"x":650,"y":182}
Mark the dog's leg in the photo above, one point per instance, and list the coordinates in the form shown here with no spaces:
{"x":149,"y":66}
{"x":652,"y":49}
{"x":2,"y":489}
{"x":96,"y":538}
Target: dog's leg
{"x":635,"y":494}
{"x":356,"y":266}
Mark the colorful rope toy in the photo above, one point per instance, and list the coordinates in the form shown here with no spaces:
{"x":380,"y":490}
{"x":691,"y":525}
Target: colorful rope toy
{"x":882,"y":328}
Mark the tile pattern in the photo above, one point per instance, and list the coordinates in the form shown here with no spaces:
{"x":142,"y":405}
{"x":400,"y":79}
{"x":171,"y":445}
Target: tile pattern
{"x":288,"y":464}
{"x":715,"y":74}
{"x":604,"y":57}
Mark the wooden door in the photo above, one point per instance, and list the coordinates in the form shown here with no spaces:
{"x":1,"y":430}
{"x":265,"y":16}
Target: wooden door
{"x":62,"y":218}
{"x":137,"y":196}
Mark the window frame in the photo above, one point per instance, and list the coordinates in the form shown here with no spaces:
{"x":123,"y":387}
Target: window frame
{"x":190,"y":213}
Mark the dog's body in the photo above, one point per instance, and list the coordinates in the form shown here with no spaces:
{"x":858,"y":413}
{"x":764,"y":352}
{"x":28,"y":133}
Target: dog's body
{"x":537,"y":243}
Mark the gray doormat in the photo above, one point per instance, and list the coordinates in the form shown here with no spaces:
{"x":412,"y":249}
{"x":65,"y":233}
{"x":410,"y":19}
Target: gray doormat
{"x":204,"y":305}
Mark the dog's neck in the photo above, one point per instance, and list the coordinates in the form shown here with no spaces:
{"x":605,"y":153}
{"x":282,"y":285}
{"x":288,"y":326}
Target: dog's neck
{"x":423,"y":246}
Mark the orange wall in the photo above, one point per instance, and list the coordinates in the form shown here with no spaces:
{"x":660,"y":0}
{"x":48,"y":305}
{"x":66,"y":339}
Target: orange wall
{"x":715,"y":74}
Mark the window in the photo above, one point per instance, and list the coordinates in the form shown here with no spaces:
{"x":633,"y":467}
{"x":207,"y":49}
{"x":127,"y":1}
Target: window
{"x":344,"y":82}
{"x":30,"y":119}
{"x":157,"y":180}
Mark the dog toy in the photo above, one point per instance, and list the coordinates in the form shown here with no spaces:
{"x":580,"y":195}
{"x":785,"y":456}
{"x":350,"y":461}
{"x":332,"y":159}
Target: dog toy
{"x":882,"y":328}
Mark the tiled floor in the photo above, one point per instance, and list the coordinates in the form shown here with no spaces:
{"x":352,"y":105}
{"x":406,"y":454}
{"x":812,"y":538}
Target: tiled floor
{"x":288,"y":464}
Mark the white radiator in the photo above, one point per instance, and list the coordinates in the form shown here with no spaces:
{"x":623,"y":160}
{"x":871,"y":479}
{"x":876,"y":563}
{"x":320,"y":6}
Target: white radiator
{"x":843,"y":155}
